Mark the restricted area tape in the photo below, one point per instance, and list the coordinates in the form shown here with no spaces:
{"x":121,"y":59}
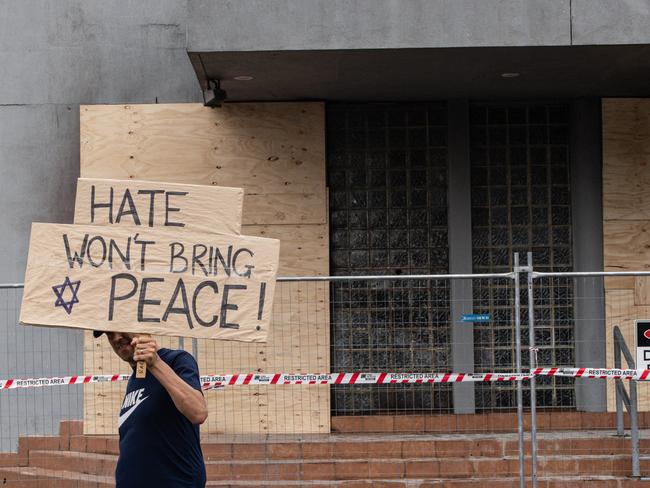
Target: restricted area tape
{"x":210,"y":382}
{"x":394,"y":378}
{"x":61,"y":380}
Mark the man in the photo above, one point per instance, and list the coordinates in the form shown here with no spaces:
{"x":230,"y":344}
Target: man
{"x":160,"y":417}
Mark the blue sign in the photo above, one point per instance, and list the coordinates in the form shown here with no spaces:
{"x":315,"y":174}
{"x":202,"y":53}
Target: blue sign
{"x":475,"y":317}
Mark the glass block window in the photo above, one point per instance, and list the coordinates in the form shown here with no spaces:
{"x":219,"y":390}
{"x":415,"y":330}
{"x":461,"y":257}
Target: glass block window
{"x":387,"y":178}
{"x":521,"y":202}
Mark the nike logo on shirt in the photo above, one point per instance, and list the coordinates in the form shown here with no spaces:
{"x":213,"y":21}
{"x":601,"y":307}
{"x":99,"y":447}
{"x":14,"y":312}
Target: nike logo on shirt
{"x":133,"y":400}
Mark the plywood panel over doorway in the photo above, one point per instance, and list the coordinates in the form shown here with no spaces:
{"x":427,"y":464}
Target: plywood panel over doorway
{"x":276,"y":152}
{"x":626,"y":211}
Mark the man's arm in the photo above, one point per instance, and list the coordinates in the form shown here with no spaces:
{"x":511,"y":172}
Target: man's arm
{"x":188,"y":401}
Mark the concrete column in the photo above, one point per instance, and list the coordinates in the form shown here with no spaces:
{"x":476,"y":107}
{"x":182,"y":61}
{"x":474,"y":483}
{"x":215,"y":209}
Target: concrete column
{"x":587,"y":218}
{"x":460,"y":250}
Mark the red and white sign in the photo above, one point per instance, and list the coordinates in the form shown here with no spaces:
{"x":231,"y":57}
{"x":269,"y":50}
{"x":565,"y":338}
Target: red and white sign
{"x":642,"y":335}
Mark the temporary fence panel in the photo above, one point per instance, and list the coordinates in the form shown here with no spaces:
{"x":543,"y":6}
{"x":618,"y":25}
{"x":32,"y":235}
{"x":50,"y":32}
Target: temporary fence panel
{"x":28,"y":352}
{"x":396,"y":326}
{"x":276,"y":152}
{"x":383,"y":328}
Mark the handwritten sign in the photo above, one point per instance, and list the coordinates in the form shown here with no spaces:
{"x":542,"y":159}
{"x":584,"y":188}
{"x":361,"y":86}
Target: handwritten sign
{"x":147,"y":268}
{"x":150,"y":204}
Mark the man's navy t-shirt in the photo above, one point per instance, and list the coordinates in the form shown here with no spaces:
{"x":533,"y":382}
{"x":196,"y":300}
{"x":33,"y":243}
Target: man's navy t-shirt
{"x":158,"y":445}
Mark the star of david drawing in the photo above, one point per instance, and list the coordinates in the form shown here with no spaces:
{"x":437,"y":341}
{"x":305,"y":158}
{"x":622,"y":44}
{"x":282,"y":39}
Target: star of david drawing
{"x":59,"y":290}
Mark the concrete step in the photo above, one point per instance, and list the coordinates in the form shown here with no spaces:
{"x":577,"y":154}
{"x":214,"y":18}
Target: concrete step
{"x":432,"y":468}
{"x":363,"y":468}
{"x":78,"y":462}
{"x":496,"y":422}
{"x":379,"y":447}
{"x":512,"y":482}
{"x":29,"y":477}
{"x":347,"y":460}
{"x":372,"y":446}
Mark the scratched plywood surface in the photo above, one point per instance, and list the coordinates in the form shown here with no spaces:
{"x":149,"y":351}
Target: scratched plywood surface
{"x":626,"y":211}
{"x":276,"y":153}
{"x":626,"y":245}
{"x":626,"y":154}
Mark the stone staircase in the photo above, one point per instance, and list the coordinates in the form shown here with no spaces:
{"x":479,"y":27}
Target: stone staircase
{"x":567,"y":458}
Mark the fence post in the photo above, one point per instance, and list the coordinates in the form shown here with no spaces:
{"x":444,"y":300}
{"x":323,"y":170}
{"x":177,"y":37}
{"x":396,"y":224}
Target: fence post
{"x":532,"y":354}
{"x":520,"y":406}
{"x":634,"y":430}
{"x":618,"y":384}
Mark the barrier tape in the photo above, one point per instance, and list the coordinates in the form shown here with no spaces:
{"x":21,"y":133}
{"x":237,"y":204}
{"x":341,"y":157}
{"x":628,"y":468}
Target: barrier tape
{"x":61,"y":381}
{"x":210,"y":382}
{"x":394,"y":378}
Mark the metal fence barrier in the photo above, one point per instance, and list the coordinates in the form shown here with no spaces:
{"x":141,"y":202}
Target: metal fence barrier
{"x":473,"y":324}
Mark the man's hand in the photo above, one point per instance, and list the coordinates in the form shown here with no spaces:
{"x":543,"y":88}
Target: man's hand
{"x":145,"y":349}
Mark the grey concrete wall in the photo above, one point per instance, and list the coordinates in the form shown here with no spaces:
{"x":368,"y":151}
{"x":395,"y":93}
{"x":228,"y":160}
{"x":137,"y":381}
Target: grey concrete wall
{"x":607,"y":22}
{"x":54,"y":56}
{"x":241,"y":25}
{"x":263,"y":25}
{"x":267,"y":25}
{"x":587,"y":217}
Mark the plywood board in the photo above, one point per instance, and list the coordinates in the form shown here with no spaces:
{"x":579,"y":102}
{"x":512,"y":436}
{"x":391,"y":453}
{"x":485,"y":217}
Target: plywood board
{"x":619,"y":282}
{"x":626,"y":153}
{"x":626,"y":210}
{"x":298,"y":341}
{"x":146,"y":204}
{"x":304,"y":249}
{"x":183,"y":296}
{"x":626,"y":245}
{"x":642,"y":290}
{"x":274,"y":151}
{"x":262,"y":410}
{"x":621,"y":311}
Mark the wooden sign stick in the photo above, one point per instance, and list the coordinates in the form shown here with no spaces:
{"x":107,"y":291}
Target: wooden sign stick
{"x":141,"y":366}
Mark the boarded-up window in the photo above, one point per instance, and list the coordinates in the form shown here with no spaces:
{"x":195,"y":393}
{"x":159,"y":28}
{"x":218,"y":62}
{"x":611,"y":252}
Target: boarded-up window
{"x":387,"y":176}
{"x":521,"y":202}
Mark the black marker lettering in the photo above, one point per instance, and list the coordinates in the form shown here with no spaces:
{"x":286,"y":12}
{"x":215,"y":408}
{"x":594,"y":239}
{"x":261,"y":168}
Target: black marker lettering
{"x":177,"y":255}
{"x":143,"y":301}
{"x":225,"y":306}
{"x":249,"y":267}
{"x":215,"y":289}
{"x":78,"y":256}
{"x":101,"y":240}
{"x":112,"y":298}
{"x":94,"y":205}
{"x":125,"y":257}
{"x":260,"y":306}
{"x":224,"y":264}
{"x":184,"y":309}
{"x":169,"y":209}
{"x":152,"y":196}
{"x":196,"y":258}
{"x":127,"y":199}
{"x":143,"y":250}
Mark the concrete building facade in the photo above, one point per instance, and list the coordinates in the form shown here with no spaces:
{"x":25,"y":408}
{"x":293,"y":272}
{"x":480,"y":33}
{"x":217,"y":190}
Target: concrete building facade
{"x":476,"y":59}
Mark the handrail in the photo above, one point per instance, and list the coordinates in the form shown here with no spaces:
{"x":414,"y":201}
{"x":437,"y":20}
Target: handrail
{"x":629,"y":401}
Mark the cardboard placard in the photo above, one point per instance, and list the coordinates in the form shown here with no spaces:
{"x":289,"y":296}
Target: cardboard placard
{"x":155,"y":281}
{"x":151,"y":204}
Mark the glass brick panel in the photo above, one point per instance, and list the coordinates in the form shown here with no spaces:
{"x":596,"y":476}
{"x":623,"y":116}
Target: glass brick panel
{"x":521,"y":202}
{"x":387,"y":175}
